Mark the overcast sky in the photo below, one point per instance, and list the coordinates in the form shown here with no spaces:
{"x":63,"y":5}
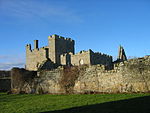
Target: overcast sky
{"x":100,"y":25}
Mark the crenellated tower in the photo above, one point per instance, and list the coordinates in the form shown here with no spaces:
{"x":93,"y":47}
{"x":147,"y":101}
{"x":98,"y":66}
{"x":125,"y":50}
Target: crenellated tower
{"x":59,"y":45}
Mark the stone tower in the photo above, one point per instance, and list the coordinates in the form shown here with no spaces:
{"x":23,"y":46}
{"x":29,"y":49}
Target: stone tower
{"x":59,"y":45}
{"x":122,"y":55}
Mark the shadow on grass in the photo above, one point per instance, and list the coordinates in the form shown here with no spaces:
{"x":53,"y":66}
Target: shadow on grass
{"x":135,"y":105}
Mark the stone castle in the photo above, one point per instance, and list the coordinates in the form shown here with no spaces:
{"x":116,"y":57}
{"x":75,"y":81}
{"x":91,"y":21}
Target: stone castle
{"x":61,"y":52}
{"x":56,"y":69}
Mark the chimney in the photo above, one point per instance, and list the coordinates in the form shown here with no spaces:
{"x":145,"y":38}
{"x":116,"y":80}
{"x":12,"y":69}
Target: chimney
{"x":35,"y":44}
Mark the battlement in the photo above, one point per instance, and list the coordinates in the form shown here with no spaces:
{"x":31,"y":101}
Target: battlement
{"x":28,"y":47}
{"x":63,"y":55}
{"x":100,"y":58}
{"x":82,"y":52}
{"x":60,"y":38}
{"x":60,"y":51}
{"x":102,"y":54}
{"x":79,"y":53}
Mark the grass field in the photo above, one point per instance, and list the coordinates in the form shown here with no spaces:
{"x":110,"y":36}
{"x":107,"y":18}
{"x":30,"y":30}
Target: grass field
{"x":99,"y":103}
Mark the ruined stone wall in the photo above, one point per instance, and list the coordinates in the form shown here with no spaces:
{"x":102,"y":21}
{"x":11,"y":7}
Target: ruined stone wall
{"x":99,"y":58}
{"x":35,"y":57}
{"x":81,"y":58}
{"x":132,"y":76}
{"x":49,"y":82}
{"x":127,"y":77}
{"x":23,"y":81}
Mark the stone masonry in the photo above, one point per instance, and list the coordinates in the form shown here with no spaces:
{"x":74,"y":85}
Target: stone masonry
{"x":60,"y":51}
{"x":73,"y":76}
{"x":122,"y":55}
{"x":132,"y":76}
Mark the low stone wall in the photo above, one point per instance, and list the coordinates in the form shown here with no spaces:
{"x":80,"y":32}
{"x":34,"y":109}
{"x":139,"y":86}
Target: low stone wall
{"x":123,"y":80}
{"x":132,"y":76}
{"x":23,"y":81}
{"x":49,"y":82}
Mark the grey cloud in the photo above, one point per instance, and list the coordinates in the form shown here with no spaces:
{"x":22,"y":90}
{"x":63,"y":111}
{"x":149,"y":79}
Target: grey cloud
{"x":8,"y":66}
{"x":9,"y":61}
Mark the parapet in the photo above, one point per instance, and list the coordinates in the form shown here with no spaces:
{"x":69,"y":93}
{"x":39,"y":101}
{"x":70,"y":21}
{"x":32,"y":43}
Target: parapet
{"x":99,"y":54}
{"x":82,"y":52}
{"x":60,"y":37}
{"x":28,"y":47}
{"x":65,"y":54}
{"x":102,"y":54}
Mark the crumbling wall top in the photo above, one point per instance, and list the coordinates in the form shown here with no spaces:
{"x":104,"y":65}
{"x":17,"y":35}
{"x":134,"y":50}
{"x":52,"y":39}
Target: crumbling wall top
{"x":60,"y":37}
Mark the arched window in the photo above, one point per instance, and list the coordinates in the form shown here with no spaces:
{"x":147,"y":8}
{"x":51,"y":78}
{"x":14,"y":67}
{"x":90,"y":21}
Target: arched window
{"x":81,"y":62}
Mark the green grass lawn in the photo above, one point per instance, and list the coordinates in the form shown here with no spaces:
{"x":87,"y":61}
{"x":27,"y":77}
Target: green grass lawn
{"x":106,"y":103}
